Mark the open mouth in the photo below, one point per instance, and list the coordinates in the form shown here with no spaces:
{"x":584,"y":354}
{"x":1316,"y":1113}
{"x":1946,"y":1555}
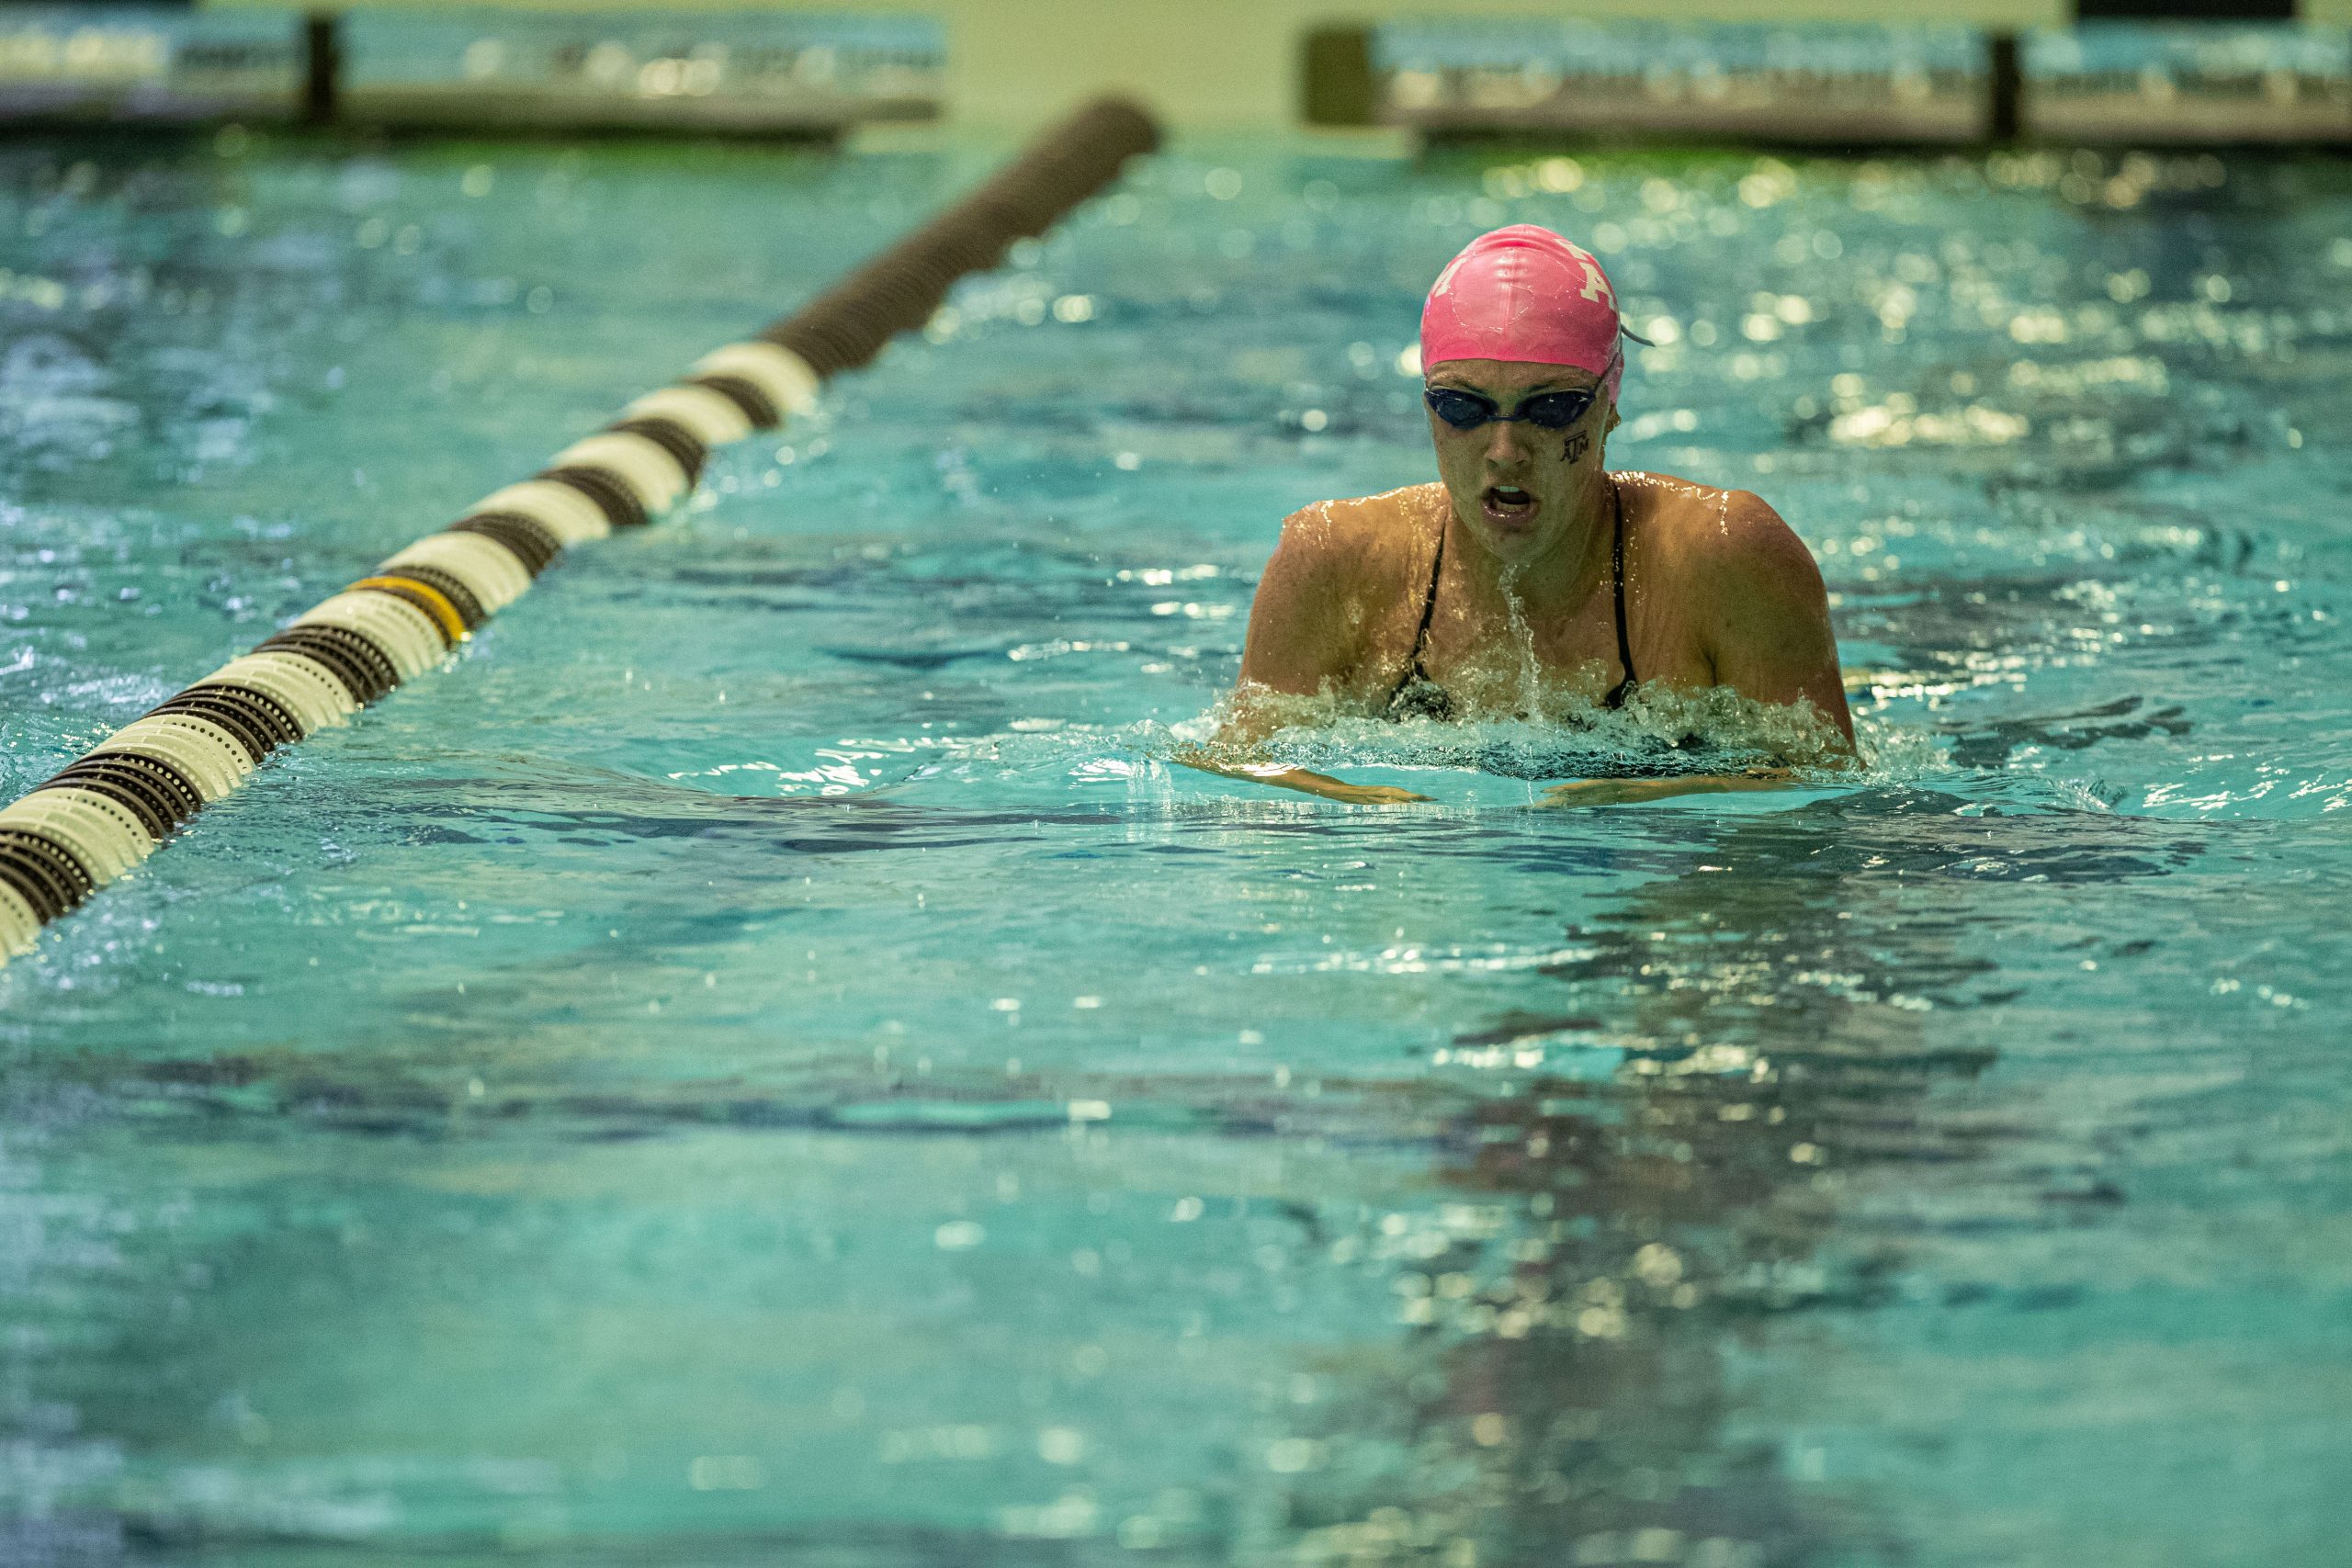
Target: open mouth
{"x":1508,"y":504}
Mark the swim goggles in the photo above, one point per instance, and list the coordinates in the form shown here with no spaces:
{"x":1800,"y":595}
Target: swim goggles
{"x":1468,"y":410}
{"x":1545,"y":410}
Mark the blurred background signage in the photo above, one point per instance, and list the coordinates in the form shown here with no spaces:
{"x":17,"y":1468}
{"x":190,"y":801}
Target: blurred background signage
{"x":2187,"y":82}
{"x":1641,"y":79}
{"x":738,"y":71}
{"x":138,"y":63}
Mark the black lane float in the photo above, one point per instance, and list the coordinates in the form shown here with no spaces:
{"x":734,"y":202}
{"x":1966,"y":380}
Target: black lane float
{"x":109,"y":809}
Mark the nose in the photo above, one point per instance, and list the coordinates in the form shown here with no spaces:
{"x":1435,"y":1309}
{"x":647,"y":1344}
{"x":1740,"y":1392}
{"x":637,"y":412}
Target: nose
{"x":1507,"y":444}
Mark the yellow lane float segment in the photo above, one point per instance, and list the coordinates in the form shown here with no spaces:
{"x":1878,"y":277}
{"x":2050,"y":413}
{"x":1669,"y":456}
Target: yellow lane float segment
{"x":783,"y":377}
{"x":425,"y":597}
{"x":104,"y":813}
{"x":100,"y":831}
{"x":405,"y":633}
{"x":202,"y":752}
{"x":711,"y":418}
{"x":19,"y":925}
{"x":652,"y":473}
{"x":570,"y":515}
{"x":483,"y":565}
{"x":463,"y":601}
{"x":311,"y":694}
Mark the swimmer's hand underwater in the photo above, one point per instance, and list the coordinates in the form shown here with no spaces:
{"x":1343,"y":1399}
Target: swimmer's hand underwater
{"x":1281,"y":777}
{"x":1633,"y":792}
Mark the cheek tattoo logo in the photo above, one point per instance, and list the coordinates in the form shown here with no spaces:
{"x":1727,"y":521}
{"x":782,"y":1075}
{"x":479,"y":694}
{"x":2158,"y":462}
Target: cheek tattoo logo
{"x":1577,"y":445}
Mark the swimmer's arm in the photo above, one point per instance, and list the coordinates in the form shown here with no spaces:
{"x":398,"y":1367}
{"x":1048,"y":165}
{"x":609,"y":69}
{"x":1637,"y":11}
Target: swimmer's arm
{"x":1765,"y":619}
{"x":1302,"y":642}
{"x":1281,"y":777}
{"x":1764,"y":615}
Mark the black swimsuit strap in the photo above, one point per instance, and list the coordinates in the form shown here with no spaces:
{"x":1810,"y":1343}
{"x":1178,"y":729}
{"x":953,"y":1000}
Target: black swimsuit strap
{"x":1414,"y":673}
{"x":1618,"y":692}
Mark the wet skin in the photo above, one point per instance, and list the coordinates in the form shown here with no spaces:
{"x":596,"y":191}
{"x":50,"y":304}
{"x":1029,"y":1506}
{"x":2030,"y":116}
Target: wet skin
{"x":1719,"y":591}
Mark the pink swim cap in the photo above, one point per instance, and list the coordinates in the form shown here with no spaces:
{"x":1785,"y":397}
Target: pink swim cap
{"x":1523,"y":295}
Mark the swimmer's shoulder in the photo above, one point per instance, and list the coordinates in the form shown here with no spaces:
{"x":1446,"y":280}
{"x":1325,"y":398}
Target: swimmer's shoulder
{"x":1706,"y":545}
{"x":1321,"y":611}
{"x":1366,"y":544}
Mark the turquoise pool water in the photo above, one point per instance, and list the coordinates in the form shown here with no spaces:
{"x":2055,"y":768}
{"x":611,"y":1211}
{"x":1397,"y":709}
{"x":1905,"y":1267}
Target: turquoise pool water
{"x":763,"y":1062}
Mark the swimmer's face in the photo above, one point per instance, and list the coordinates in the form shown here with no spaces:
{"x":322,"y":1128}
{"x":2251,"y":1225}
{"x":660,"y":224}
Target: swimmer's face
{"x":1515,"y":485}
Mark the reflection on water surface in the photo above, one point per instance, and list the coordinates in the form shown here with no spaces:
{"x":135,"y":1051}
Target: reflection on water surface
{"x":764,"y":1060}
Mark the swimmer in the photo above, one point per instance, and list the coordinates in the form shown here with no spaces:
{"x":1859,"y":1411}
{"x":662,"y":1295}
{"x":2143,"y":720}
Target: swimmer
{"x":1529,"y":582}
